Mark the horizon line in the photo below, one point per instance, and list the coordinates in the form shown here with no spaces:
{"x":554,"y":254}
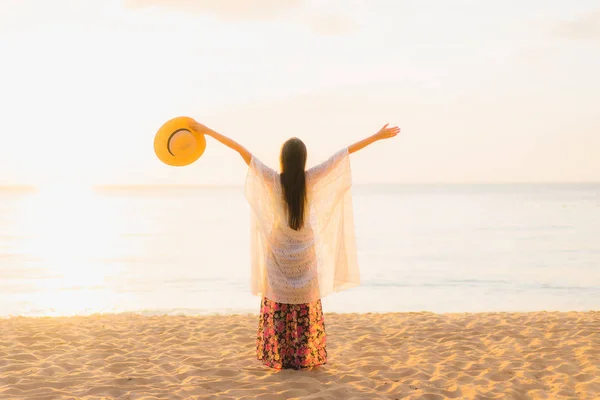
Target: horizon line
{"x":29,"y":187}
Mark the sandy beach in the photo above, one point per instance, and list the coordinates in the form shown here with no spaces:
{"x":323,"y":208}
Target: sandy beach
{"x":390,"y":356}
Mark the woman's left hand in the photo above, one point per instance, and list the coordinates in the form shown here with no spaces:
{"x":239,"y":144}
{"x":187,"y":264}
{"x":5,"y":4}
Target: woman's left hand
{"x":386,"y":133}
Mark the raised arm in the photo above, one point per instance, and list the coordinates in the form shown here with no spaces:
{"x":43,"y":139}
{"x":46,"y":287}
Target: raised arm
{"x":232,"y":144}
{"x":317,"y":172}
{"x":384,"y":133}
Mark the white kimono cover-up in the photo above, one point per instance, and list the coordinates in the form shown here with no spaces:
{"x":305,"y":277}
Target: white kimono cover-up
{"x":296,"y":267}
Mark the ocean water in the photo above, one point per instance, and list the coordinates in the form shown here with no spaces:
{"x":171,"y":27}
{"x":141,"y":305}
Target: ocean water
{"x":439,"y":248}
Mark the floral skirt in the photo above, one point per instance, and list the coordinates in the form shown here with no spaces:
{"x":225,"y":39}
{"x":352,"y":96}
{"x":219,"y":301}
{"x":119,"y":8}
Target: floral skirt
{"x":291,"y":335}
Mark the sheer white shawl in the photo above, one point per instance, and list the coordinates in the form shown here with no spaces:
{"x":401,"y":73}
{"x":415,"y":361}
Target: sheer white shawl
{"x":302,"y":266}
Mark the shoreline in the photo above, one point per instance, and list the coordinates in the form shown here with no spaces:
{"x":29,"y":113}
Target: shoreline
{"x":152,"y":314}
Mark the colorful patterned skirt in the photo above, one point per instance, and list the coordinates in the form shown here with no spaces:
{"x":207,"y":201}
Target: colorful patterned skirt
{"x":291,"y":335}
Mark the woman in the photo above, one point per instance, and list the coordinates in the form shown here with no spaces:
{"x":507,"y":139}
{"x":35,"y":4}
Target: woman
{"x":302,"y":246}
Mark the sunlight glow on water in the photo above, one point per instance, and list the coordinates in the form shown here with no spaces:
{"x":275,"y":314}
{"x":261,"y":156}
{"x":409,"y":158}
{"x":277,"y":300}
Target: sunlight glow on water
{"x":63,"y":229}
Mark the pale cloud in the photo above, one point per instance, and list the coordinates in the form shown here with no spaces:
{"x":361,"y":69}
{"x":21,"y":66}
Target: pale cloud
{"x":332,"y":24}
{"x":225,"y":9}
{"x":298,"y":11}
{"x":586,"y":27}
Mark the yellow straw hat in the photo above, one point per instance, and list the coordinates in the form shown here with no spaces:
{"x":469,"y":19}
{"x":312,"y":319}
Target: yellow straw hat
{"x":177,"y":144}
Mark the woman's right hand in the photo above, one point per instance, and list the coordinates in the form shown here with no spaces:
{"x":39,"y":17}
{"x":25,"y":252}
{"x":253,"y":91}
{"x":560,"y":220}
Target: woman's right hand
{"x":386,"y":133}
{"x":200,"y":128}
{"x":232,"y":144}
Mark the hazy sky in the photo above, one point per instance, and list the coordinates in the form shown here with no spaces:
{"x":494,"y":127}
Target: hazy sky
{"x":484,"y":91}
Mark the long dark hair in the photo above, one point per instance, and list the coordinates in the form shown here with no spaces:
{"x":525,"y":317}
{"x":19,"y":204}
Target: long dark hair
{"x":293,"y":181}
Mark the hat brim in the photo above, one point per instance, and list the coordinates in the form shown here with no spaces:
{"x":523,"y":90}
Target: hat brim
{"x":164,"y":135}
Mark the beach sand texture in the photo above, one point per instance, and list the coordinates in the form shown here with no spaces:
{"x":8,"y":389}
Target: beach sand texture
{"x":372,"y":356}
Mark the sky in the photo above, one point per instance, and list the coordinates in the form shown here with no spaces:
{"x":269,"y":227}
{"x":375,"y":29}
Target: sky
{"x":494,"y":91}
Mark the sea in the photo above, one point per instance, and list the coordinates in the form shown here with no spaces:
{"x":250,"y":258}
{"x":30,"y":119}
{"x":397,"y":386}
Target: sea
{"x":185,"y":250}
